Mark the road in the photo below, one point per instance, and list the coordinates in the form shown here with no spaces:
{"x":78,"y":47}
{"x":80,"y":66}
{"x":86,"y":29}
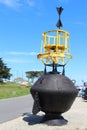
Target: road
{"x":14,"y":107}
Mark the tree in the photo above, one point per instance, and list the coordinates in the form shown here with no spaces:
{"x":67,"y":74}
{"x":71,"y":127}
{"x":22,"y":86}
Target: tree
{"x":4,"y":71}
{"x":33,"y":74}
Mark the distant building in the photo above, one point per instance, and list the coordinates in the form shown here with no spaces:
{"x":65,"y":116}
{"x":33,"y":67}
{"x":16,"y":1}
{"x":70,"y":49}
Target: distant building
{"x":21,"y":81}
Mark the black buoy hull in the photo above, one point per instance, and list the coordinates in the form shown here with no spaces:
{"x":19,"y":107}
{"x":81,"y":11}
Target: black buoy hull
{"x":53,"y":94}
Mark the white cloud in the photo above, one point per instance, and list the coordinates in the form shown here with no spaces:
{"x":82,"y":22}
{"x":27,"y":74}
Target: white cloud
{"x":18,"y":3}
{"x":11,"y":3}
{"x":21,"y":53}
{"x":81,"y":23}
{"x":31,"y":3}
{"x":15,"y":60}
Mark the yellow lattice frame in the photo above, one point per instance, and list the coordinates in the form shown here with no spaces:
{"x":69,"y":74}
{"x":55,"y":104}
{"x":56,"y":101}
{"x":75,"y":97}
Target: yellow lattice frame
{"x":55,"y":47}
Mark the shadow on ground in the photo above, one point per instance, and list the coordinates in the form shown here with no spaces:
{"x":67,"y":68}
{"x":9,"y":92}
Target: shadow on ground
{"x":32,"y":119}
{"x":41,"y":119}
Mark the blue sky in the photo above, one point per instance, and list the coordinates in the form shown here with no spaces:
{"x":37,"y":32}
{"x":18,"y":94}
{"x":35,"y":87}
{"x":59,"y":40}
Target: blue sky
{"x":22,"y":23}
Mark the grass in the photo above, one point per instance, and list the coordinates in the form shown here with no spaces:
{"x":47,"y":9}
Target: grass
{"x":8,"y":90}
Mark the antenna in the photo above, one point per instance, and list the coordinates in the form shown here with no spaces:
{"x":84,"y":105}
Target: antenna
{"x":59,"y":23}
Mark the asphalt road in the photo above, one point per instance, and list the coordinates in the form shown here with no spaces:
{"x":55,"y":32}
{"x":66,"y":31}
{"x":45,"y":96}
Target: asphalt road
{"x":14,"y":107}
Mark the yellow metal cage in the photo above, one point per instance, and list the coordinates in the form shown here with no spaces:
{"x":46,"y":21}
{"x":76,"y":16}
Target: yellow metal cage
{"x":55,"y":47}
